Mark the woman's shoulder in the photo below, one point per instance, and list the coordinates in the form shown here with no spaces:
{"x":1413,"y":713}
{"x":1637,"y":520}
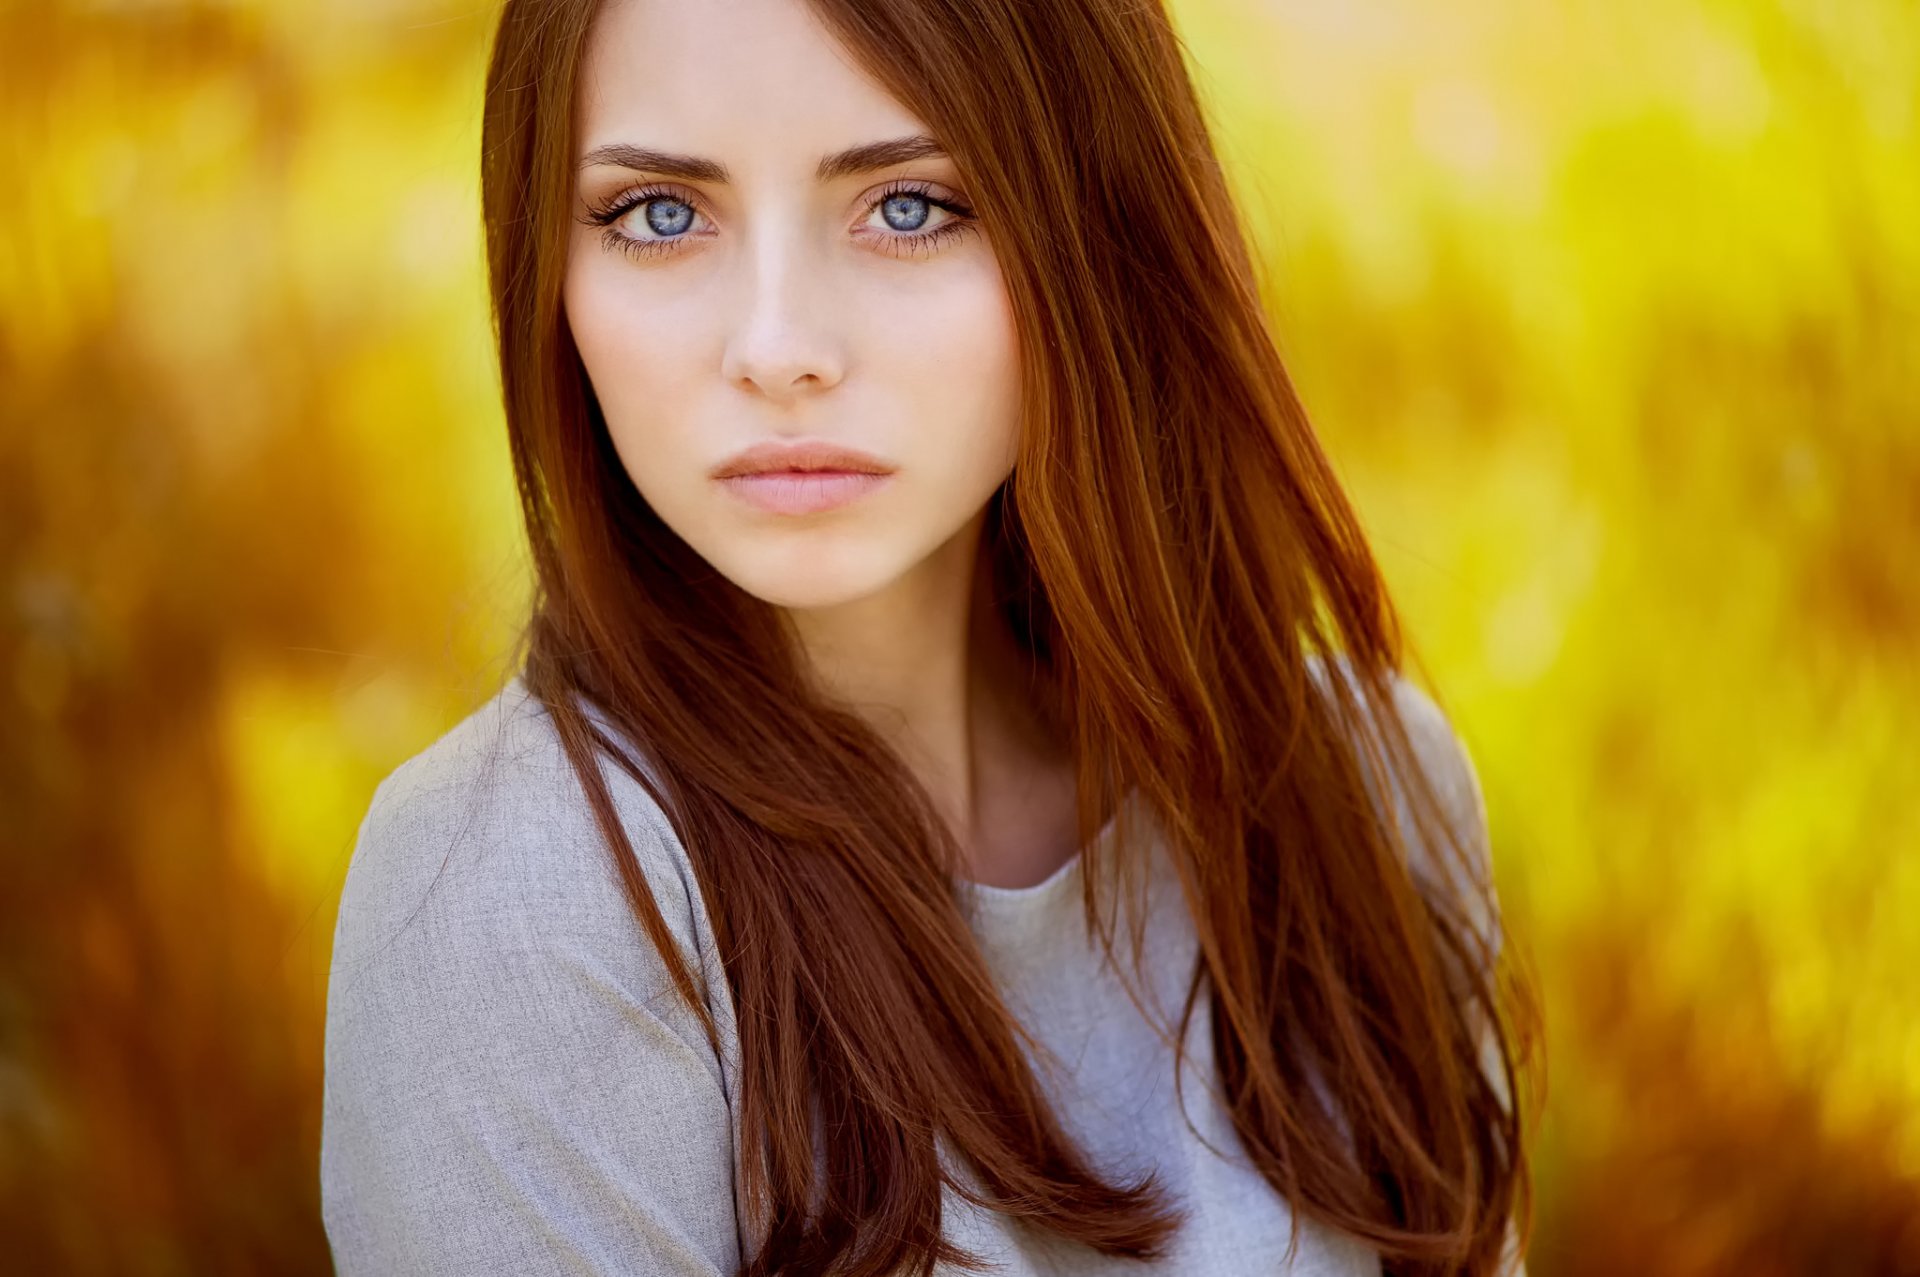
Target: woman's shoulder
{"x":1446,"y":762}
{"x":504,"y":758}
{"x":509,"y":1065}
{"x":1440,"y":751}
{"x":486,"y":835}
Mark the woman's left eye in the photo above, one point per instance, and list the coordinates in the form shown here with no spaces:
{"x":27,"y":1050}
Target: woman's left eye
{"x":904,"y":212}
{"x":907,"y":209}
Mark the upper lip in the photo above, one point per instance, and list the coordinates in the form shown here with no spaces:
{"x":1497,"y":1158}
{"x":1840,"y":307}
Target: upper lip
{"x":812,"y":454}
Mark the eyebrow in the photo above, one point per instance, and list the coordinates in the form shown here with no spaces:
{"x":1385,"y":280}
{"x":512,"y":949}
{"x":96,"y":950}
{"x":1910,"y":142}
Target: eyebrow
{"x":851,"y":162}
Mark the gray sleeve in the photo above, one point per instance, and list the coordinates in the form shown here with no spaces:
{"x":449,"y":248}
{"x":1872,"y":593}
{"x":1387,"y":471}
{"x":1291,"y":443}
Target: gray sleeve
{"x":1444,"y":757}
{"x":512,"y":1084}
{"x":1446,"y":762}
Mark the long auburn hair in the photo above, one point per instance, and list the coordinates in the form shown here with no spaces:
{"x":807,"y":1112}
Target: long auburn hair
{"x":1174,"y":549}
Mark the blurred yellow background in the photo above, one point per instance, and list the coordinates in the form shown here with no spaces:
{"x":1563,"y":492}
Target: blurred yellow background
{"x":1609,"y":313}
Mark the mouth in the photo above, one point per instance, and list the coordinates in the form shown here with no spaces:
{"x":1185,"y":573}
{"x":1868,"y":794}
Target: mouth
{"x":795,"y":492}
{"x":804,"y":455}
{"x":803,"y":476}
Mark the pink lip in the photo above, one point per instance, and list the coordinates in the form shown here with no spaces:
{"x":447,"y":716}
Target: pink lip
{"x":804,"y":476}
{"x":799,"y":454}
{"x":802,"y":491}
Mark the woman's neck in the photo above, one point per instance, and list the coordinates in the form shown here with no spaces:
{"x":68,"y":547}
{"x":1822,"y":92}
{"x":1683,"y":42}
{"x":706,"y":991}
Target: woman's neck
{"x":930,"y":664}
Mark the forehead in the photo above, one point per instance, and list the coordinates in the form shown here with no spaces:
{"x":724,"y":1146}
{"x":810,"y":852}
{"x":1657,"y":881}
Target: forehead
{"x":731,"y":79}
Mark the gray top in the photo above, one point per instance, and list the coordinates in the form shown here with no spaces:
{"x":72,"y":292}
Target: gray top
{"x":514,"y":1087}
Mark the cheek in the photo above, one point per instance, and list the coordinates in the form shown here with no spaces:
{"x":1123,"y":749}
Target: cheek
{"x":641,"y":369}
{"x":960,"y":367}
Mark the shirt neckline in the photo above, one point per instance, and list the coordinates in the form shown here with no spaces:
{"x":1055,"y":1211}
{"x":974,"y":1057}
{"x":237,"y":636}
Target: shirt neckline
{"x":1015,"y":900}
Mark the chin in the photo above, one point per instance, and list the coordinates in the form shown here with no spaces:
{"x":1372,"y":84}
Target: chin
{"x":808,"y":576}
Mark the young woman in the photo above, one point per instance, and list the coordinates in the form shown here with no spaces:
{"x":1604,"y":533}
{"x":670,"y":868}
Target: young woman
{"x":960,"y":807}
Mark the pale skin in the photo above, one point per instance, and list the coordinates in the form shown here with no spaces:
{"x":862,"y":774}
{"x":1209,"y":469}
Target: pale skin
{"x":765,"y":300}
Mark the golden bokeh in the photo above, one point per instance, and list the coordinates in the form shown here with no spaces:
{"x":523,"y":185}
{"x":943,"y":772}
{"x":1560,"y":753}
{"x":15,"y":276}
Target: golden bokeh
{"x":1609,"y":315}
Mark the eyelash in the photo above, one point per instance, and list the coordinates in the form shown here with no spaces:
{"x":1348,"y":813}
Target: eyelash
{"x":911,"y":242}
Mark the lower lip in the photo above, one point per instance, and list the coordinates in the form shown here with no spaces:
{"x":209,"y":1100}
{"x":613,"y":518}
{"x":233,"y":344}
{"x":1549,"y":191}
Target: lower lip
{"x":803,"y":491}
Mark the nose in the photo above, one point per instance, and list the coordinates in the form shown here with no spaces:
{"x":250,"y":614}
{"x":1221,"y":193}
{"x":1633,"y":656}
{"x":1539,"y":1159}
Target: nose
{"x":786,"y":341}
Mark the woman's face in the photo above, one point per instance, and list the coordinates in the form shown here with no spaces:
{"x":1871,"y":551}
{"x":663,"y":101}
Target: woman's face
{"x":730,"y":284}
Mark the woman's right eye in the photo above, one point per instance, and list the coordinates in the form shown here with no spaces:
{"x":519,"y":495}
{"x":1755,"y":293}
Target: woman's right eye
{"x":655,"y":218}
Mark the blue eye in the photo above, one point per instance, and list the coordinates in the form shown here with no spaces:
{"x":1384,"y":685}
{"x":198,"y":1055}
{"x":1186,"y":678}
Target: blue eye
{"x":673,"y":222}
{"x":664,"y":213}
{"x":905,"y":207}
